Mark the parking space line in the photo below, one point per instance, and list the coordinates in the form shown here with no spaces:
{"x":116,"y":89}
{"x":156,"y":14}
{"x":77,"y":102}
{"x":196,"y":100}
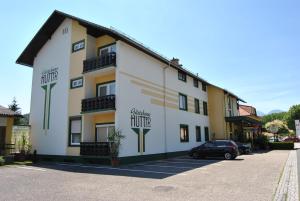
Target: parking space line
{"x":122,"y":169}
{"x":181,"y":162}
{"x":165,"y":166}
{"x":195,"y":160}
{"x":30,"y":168}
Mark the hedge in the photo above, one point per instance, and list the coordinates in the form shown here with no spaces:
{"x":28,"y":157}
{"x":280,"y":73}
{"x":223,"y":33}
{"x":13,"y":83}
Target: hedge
{"x":2,"y":161}
{"x":282,"y":145}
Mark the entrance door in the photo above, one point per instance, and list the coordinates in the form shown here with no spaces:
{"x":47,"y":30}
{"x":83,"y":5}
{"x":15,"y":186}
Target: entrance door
{"x":102,"y":132}
{"x":2,"y":138}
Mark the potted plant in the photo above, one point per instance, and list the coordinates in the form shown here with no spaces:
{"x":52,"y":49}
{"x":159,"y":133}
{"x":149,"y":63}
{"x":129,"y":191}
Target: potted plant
{"x":114,"y":138}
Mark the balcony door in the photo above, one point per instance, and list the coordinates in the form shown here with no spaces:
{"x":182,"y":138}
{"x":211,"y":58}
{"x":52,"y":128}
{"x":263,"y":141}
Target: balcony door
{"x":106,"y":50}
{"x":106,"y":89}
{"x":102,"y":132}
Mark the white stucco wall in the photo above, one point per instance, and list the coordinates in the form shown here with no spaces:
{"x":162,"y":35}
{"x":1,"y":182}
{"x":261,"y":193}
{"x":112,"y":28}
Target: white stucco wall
{"x":54,"y":54}
{"x":129,"y":95}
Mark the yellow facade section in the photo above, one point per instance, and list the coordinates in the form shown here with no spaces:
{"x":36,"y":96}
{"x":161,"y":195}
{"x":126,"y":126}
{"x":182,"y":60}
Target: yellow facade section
{"x":76,"y":67}
{"x":103,"y":79}
{"x":9,"y":125}
{"x":216,"y":112}
{"x":104,"y":118}
{"x":104,"y":40}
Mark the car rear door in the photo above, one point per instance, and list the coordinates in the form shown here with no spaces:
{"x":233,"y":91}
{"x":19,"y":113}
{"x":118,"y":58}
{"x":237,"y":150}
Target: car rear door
{"x":220,"y":147}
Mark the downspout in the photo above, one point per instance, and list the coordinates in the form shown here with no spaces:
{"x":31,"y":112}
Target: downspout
{"x":165,"y":110}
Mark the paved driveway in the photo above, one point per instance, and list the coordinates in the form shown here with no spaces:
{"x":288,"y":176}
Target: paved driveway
{"x":250,"y":177}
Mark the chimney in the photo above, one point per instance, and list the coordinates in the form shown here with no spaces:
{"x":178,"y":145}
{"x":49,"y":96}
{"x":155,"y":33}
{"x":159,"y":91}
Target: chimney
{"x":175,"y":61}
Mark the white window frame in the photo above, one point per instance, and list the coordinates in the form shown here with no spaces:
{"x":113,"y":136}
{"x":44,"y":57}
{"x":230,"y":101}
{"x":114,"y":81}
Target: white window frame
{"x":108,"y":89}
{"x":104,"y":126}
{"x":76,"y":83}
{"x":71,"y":133}
{"x":110,"y":48}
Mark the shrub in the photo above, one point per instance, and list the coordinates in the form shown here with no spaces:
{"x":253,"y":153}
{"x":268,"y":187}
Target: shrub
{"x":2,"y":161}
{"x":261,"y":141}
{"x":282,"y":145}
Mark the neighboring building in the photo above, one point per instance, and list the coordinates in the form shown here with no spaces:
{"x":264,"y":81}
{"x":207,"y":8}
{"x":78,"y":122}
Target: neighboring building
{"x":228,"y":118}
{"x":6,"y":124}
{"x":88,"y":80}
{"x":222,"y":104}
{"x":19,"y":135}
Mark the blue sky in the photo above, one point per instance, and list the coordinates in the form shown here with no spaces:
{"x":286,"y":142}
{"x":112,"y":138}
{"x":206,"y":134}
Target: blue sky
{"x":250,"y":47}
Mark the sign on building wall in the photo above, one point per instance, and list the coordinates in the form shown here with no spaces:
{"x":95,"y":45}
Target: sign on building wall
{"x":297,"y":123}
{"x":141,"y":124}
{"x":48,"y":81}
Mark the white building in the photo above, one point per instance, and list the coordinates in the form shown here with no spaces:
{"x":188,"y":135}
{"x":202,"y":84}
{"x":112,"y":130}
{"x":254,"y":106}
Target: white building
{"x":88,"y":79}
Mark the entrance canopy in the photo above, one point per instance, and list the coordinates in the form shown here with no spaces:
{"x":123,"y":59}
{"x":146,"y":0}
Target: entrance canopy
{"x":244,"y":119}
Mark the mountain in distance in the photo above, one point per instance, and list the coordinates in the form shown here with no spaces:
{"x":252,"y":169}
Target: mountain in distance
{"x":275,"y":111}
{"x":260,"y":113}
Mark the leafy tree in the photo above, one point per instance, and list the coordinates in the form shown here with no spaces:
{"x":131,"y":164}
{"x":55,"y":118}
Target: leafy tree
{"x":274,"y":116}
{"x":280,"y":125}
{"x":14,"y":106}
{"x":292,"y":115}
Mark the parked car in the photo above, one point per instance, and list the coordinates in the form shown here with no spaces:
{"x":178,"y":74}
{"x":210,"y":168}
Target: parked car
{"x":244,"y":148}
{"x":218,"y":148}
{"x":292,"y":139}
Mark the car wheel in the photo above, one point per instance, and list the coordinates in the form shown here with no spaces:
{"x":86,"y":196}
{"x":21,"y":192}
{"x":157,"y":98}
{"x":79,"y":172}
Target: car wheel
{"x":228,"y":156}
{"x":195,"y":155}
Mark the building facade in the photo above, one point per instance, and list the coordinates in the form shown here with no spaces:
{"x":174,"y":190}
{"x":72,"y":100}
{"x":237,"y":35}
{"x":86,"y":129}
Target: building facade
{"x":89,"y":80}
{"x":222,"y":104}
{"x":6,"y":124}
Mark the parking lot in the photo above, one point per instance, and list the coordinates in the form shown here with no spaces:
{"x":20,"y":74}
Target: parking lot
{"x":249,"y":177}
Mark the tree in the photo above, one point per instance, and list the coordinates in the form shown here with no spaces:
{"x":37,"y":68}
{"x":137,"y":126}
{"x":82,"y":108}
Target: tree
{"x":14,"y":106}
{"x":279,"y":125}
{"x":292,"y":115}
{"x":274,"y":116}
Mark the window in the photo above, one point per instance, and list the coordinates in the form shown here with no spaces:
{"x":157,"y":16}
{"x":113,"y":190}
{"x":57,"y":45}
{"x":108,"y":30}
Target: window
{"x":102,"y":132}
{"x":78,"y":46}
{"x":197,"y":108}
{"x":75,"y":131}
{"x":106,"y":89}
{"x":106,"y":49}
{"x":77,"y":82}
{"x":198,"y":134}
{"x":181,"y":76}
{"x":184,"y":133}
{"x":203,"y":86}
{"x":206,"y":132}
{"x":182,"y":102}
{"x":196,"y":83}
{"x":205,"y":108}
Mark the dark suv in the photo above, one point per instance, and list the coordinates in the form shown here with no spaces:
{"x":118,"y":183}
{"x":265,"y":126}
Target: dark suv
{"x":218,"y":148}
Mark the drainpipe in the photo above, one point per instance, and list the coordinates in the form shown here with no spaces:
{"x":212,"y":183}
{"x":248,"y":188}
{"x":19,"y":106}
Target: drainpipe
{"x":165,"y":110}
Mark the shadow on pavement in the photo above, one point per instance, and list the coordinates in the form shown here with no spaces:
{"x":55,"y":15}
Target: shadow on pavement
{"x":159,"y":169}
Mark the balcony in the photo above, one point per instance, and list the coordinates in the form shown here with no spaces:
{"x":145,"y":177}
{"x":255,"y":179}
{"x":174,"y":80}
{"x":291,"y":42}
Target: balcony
{"x":98,"y":103}
{"x":94,"y":148}
{"x":100,"y":62}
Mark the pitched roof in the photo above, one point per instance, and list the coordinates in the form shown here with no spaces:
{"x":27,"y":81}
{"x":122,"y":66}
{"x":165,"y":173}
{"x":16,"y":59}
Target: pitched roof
{"x":246,"y":110}
{"x":7,"y":112}
{"x":57,"y":17}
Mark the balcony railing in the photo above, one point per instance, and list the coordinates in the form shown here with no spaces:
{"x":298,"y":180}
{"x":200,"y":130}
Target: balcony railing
{"x":100,"y":62}
{"x":98,"y":103}
{"x":95,"y":148}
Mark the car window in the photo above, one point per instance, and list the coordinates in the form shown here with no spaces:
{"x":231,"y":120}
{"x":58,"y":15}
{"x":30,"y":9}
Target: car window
{"x":219,"y":143}
{"x":209,"y":144}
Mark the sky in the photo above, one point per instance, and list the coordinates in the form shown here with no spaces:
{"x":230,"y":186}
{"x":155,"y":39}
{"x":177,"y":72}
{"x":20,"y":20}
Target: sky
{"x":250,"y":47}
